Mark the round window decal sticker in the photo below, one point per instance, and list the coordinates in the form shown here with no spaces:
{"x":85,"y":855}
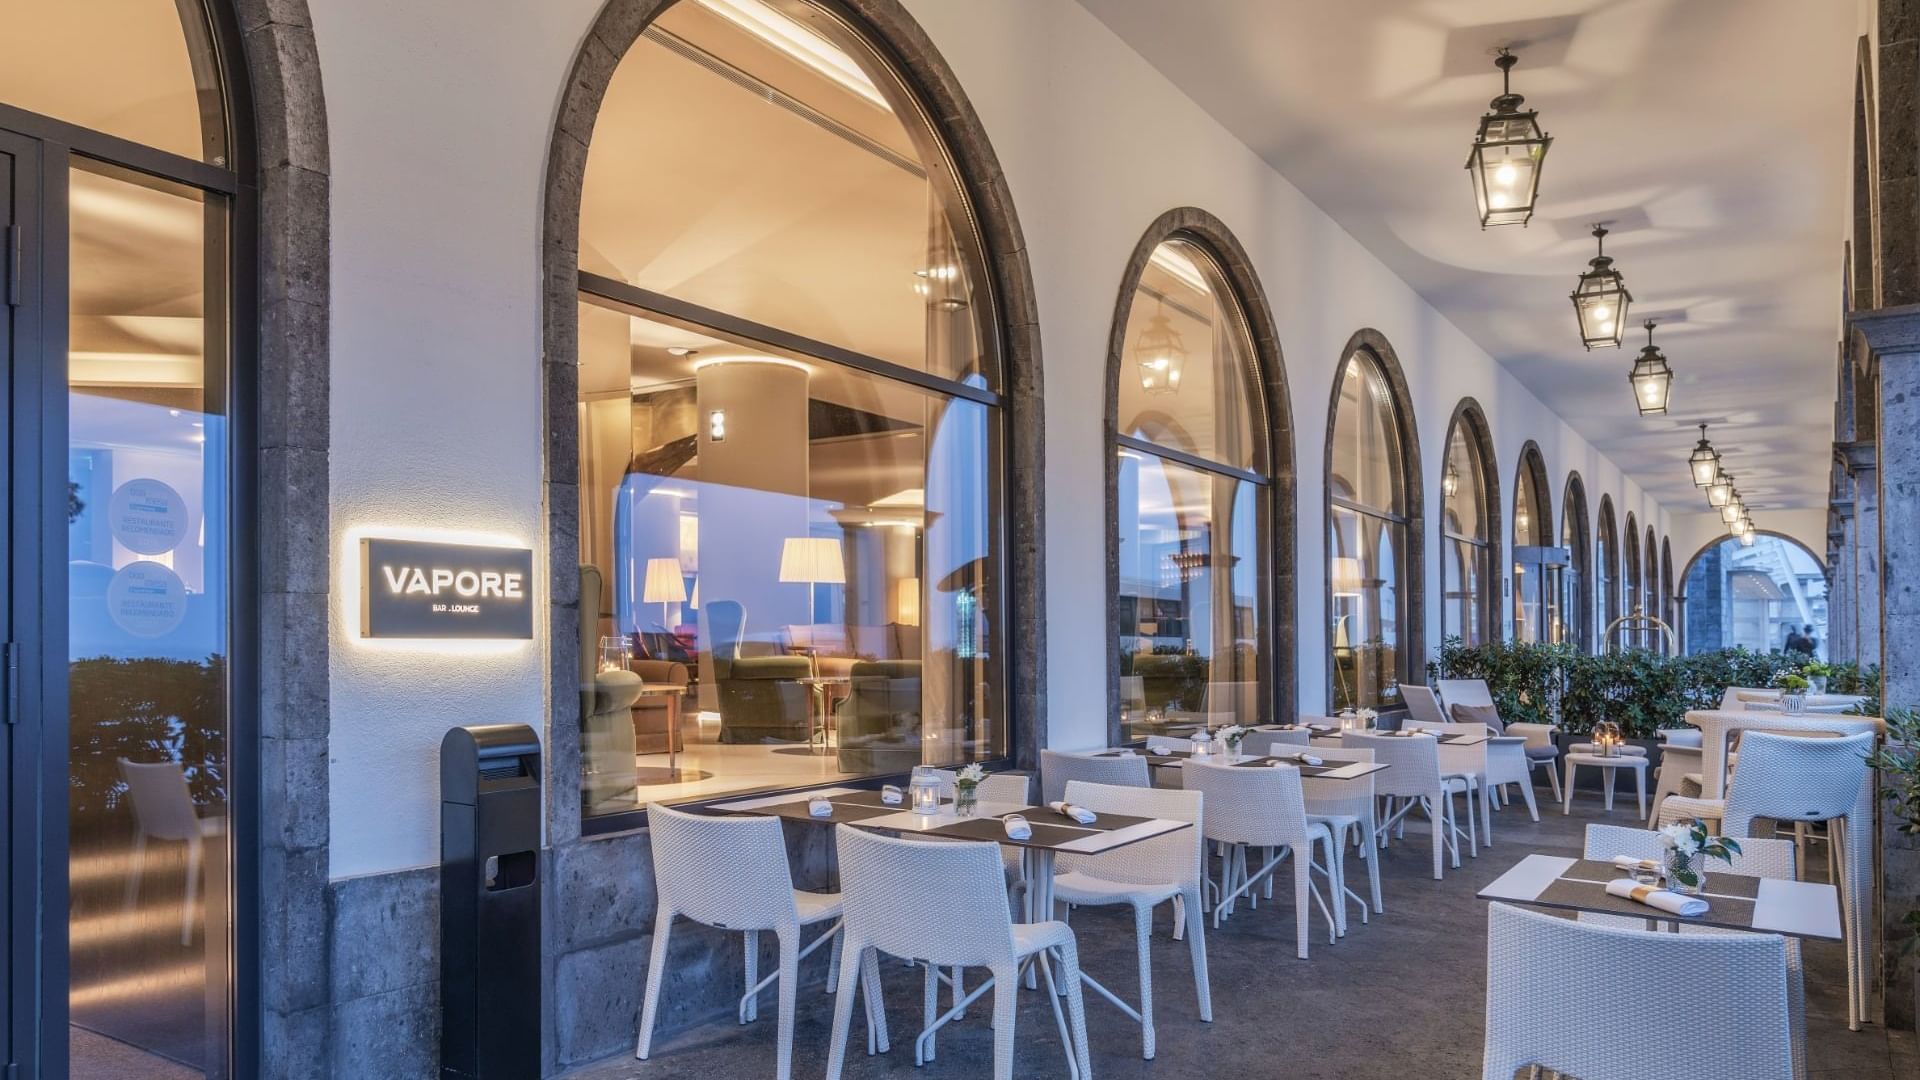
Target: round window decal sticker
{"x":147,"y":516}
{"x":146,"y":599}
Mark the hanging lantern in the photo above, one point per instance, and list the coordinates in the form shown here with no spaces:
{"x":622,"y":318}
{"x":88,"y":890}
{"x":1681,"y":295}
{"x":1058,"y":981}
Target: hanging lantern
{"x":1730,"y":513}
{"x":1450,"y":481}
{"x":1720,"y":492}
{"x":1704,"y":461}
{"x":1747,"y":531}
{"x":1507,"y":154}
{"x":1160,"y":355}
{"x":1600,"y":300}
{"x":1746,"y":538}
{"x":1522,"y":521}
{"x":1651,"y":378}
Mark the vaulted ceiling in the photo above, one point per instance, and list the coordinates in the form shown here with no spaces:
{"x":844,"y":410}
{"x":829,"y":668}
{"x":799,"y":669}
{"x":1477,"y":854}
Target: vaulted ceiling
{"x":1711,"y":135}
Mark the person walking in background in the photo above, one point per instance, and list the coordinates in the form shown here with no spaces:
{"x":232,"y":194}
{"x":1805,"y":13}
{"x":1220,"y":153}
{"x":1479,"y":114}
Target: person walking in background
{"x":1799,"y":643}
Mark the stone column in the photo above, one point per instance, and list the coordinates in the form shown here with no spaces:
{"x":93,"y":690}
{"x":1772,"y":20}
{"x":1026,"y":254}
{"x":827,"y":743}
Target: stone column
{"x":1863,"y":466}
{"x":1894,"y":336}
{"x":1843,"y":611}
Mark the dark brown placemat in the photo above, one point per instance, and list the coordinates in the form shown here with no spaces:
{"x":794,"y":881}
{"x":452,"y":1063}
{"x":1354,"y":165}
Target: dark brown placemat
{"x":1306,"y":770}
{"x":844,"y":813}
{"x":1585,"y":896}
{"x":992,"y":828}
{"x":1734,"y":886}
{"x":870,"y":798}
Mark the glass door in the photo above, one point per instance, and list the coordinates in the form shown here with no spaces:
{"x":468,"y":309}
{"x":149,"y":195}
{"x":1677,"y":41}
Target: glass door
{"x":20,"y":837}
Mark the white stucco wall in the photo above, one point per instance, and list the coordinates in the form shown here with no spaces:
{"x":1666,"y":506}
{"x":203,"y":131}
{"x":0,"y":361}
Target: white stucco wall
{"x":440,"y":114}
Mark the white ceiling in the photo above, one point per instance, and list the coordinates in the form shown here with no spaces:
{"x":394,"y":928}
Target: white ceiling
{"x":1712,"y":134}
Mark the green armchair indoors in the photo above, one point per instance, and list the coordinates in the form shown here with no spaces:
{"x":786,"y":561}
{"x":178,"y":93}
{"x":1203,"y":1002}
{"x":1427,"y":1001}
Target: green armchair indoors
{"x":879,"y":722}
{"x":761,"y":698}
{"x":606,"y":710}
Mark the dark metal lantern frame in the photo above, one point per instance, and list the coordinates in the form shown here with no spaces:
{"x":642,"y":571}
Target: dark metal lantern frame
{"x":1600,"y":299}
{"x":1704,"y":462}
{"x":1507,"y":155}
{"x":1651,"y":378}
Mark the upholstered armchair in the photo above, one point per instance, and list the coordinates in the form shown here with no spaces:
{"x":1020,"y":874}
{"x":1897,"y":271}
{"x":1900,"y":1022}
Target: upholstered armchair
{"x":879,"y":722}
{"x":762,"y":698}
{"x":606,"y":702}
{"x":655,"y":716}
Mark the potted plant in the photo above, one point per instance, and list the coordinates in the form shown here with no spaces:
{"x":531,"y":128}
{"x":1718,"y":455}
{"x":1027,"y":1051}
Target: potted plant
{"x":1689,"y":845}
{"x":1230,"y":738}
{"x":1793,"y":691}
{"x":1817,"y":672}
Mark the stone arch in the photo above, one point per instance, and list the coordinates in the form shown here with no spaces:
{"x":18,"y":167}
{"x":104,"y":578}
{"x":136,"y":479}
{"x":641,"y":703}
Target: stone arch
{"x":1413,"y":561}
{"x":1275,"y":424}
{"x":1469,"y":416}
{"x":912,"y":55}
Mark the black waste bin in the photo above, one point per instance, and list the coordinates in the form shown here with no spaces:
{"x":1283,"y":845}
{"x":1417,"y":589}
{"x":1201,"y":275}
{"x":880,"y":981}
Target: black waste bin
{"x":490,"y":903}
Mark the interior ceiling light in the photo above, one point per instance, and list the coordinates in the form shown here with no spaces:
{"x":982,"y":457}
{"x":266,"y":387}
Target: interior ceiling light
{"x":1507,"y":154}
{"x":1651,"y":378}
{"x":1704,"y":461}
{"x":1730,"y":513}
{"x":798,"y":41}
{"x":1160,"y":355}
{"x":1600,"y":299}
{"x":1450,"y":481}
{"x":1720,"y":492}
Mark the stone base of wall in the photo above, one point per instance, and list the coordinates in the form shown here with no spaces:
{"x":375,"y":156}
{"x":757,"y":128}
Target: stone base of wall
{"x":599,"y":906}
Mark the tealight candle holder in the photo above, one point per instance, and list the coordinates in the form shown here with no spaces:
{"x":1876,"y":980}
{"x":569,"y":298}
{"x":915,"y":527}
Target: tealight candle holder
{"x":924,"y":790}
{"x":1608,"y":738}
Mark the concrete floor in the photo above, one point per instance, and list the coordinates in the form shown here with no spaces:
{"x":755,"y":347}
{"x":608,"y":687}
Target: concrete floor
{"x":1401,"y":997}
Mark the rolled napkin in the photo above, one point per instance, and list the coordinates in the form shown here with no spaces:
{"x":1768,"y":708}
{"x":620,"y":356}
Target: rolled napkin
{"x":1126,"y":751}
{"x":1307,"y":759}
{"x":1162,"y":749}
{"x":891,"y":795}
{"x":1670,"y":902}
{"x":818,"y":806}
{"x":1628,"y":862}
{"x":1078,"y":813}
{"x":1017,"y":827}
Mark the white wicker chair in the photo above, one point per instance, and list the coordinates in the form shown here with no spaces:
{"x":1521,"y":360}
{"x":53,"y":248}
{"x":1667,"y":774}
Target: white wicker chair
{"x":1164,"y":869}
{"x":1680,"y":765}
{"x":1258,"y":743}
{"x":942,"y":903}
{"x":1249,"y":807}
{"x":1001,"y":787}
{"x":731,"y":872}
{"x":1574,"y":997}
{"x":1542,"y":752}
{"x":1757,"y":858}
{"x":1413,"y":778}
{"x":1798,"y":779}
{"x":1476,"y":761}
{"x":1348,"y":809}
{"x":1059,"y":766}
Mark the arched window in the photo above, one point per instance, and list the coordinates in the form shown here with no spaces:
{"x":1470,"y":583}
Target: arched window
{"x":1537,"y":565}
{"x":1770,"y":597}
{"x":1578,"y":583}
{"x":1193,"y":497}
{"x":1630,"y":588}
{"x":1606,"y":576}
{"x":1650,"y":591}
{"x":130,"y":278}
{"x":1373,"y":502}
{"x":1469,"y":529}
{"x":792,"y":430}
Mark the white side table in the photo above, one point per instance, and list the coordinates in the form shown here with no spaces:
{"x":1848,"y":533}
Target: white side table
{"x":1625,"y":761}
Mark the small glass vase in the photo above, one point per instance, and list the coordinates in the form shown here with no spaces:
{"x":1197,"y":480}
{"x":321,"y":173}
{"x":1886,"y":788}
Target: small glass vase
{"x":1233,"y":751}
{"x":1686,"y":874}
{"x":1794,"y":702}
{"x":966,"y":800}
{"x":1819,"y":683}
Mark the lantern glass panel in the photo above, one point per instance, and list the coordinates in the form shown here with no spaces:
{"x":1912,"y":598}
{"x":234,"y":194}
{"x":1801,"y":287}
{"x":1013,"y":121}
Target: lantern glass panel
{"x":1706,"y":467}
{"x":1602,"y":306}
{"x":1505,"y":166}
{"x":1652,"y":380}
{"x":1720,"y":491}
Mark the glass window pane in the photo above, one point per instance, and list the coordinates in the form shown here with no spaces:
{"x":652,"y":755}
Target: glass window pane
{"x":1463,"y":568}
{"x":147,"y":594}
{"x":1366,"y":439}
{"x":799,"y":568}
{"x":1186,"y":377}
{"x":130,"y":68}
{"x":760,"y":161}
{"x":1366,"y":617}
{"x":1189,"y":609}
{"x":1464,"y":545}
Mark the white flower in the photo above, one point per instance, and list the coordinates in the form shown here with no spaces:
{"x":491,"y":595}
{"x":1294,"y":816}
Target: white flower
{"x":972,"y":774}
{"x":1233,"y":733}
{"x":1367,"y":715}
{"x":1680,"y":837}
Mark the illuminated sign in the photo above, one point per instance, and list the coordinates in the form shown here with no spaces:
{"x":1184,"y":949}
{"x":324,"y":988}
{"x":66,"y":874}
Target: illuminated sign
{"x":420,"y":589}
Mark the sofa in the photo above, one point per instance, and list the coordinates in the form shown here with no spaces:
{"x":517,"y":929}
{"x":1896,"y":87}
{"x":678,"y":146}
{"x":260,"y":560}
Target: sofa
{"x":761,"y":698}
{"x":879,"y":721}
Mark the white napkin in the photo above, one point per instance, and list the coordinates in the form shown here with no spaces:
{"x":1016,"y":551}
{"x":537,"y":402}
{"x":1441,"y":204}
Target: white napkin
{"x":1670,"y":902}
{"x":1126,"y":751}
{"x":1017,"y":827}
{"x":1078,"y":813}
{"x":1628,"y":862}
{"x":1307,"y":759}
{"x":818,"y":806}
{"x":1159,"y":748}
{"x":891,"y":795}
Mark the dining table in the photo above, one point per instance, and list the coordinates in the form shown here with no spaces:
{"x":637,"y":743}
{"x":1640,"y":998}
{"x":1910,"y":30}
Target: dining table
{"x":1802,"y":909}
{"x":1335,"y":770}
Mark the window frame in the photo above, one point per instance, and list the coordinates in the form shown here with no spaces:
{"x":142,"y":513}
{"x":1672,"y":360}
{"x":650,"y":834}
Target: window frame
{"x":1470,"y":421}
